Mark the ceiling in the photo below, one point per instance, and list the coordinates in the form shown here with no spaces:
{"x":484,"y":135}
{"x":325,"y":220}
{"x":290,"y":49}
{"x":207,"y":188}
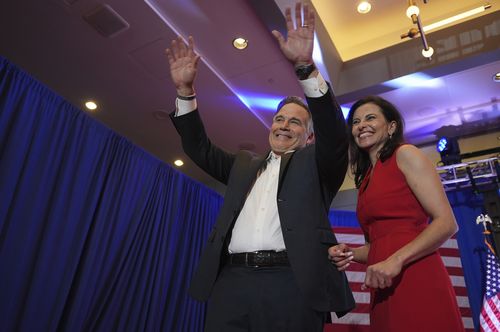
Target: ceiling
{"x":127,"y":72}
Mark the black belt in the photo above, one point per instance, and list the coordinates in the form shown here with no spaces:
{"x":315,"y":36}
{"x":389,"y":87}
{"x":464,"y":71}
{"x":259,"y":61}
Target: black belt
{"x":259,"y":258}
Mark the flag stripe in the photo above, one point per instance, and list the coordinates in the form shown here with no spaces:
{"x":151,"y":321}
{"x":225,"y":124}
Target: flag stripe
{"x":466,"y":311}
{"x":454,"y":270}
{"x":361,"y":297}
{"x":490,"y":316}
{"x":461,"y":291}
{"x":457,"y":281}
{"x":463,"y":301}
{"x":352,"y":318}
{"x":451,"y":261}
{"x":468,"y":323}
{"x":449,"y":252}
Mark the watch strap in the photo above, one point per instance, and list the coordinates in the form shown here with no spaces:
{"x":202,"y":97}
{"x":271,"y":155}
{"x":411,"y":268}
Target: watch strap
{"x":303,"y":71}
{"x":186,"y":97}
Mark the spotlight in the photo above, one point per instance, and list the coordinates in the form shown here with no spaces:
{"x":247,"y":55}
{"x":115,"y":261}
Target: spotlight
{"x":449,"y":150}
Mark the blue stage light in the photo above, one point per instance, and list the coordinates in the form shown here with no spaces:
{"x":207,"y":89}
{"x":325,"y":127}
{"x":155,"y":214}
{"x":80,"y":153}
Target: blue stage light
{"x":443,"y":142}
{"x":449,"y":150}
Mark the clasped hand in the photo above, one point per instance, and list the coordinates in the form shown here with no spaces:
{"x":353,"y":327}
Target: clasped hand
{"x":379,"y":275}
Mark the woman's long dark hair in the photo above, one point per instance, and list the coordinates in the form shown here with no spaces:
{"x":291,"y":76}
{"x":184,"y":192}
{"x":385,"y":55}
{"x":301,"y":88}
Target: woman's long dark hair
{"x":359,"y":159}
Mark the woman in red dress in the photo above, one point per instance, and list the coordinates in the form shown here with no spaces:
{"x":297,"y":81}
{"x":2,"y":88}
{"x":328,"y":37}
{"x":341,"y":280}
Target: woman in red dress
{"x":406,"y":217}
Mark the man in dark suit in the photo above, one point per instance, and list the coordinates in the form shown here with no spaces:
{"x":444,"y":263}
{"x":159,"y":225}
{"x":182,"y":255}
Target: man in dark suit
{"x":265,"y":266}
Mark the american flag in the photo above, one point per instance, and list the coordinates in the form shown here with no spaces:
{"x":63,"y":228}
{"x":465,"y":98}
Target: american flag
{"x":489,"y":318}
{"x":358,"y":320}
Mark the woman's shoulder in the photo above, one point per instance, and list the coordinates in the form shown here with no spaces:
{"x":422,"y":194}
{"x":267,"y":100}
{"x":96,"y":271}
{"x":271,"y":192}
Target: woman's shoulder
{"x":409,"y":157}
{"x":407,"y":150}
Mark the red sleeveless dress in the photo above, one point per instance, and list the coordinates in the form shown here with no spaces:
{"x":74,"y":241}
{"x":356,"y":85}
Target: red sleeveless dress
{"x":421,"y":298}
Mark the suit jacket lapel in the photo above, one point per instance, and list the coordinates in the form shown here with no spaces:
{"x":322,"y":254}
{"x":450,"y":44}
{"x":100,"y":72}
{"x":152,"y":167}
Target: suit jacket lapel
{"x":285,"y":162}
{"x":255,"y":165}
{"x":251,"y":174}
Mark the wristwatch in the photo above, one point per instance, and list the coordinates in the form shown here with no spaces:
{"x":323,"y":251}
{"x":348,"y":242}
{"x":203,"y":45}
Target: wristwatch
{"x":303,"y":71}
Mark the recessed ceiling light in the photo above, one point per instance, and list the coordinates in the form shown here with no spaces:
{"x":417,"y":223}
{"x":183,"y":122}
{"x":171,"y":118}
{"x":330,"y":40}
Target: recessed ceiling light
{"x":496,"y":77}
{"x":91,"y":105}
{"x":364,"y":7}
{"x":178,"y":163}
{"x":240,"y":43}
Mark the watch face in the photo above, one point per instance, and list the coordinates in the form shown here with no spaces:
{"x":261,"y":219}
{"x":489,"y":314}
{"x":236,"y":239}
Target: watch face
{"x":303,"y":72}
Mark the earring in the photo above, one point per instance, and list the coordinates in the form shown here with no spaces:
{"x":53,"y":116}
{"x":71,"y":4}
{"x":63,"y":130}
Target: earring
{"x":390,"y":136}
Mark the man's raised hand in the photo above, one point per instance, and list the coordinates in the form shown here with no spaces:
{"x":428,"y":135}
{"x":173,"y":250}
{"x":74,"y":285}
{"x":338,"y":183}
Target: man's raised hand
{"x":183,"y":65}
{"x":298,"y":46}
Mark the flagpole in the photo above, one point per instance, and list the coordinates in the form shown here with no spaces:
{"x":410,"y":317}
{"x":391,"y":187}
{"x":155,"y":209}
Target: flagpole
{"x":485,"y":219}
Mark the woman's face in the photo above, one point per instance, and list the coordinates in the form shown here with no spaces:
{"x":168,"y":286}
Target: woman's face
{"x":370,"y":128}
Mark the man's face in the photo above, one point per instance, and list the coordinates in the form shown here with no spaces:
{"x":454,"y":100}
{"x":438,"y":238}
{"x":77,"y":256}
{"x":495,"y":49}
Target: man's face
{"x":289,"y":129}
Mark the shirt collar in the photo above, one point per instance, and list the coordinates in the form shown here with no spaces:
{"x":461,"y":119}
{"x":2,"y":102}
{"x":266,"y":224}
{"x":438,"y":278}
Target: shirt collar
{"x":273,"y":156}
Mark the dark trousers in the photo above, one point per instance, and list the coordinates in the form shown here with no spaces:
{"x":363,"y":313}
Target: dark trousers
{"x":264,"y":299}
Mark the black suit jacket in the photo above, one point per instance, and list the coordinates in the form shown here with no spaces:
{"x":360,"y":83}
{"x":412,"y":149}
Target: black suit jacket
{"x":309,"y":179}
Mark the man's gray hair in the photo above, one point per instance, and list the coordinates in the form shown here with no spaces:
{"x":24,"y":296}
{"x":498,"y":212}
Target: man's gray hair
{"x":301,"y":102}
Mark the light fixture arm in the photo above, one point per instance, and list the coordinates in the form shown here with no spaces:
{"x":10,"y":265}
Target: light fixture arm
{"x":413,"y":12}
{"x":422,"y":33}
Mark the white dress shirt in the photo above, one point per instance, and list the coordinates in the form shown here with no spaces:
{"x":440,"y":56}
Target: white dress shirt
{"x":258,"y":225}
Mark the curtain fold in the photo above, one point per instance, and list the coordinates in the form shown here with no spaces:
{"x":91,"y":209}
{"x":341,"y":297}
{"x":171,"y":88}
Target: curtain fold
{"x":95,"y":234}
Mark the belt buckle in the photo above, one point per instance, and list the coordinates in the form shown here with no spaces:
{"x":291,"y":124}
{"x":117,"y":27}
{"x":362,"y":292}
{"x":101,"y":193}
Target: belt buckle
{"x":261,"y":259}
{"x":247,"y":263}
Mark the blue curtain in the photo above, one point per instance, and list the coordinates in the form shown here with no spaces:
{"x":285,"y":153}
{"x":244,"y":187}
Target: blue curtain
{"x":95,"y":234}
